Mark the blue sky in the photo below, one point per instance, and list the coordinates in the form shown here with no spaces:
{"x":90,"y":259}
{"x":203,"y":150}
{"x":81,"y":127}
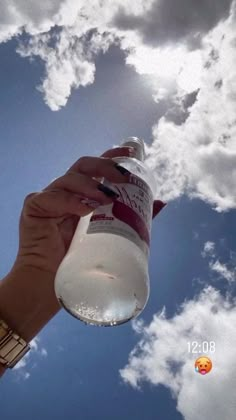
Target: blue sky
{"x":88,"y":372}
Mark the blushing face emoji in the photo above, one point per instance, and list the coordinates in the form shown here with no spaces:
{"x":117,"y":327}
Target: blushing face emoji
{"x":203,"y":365}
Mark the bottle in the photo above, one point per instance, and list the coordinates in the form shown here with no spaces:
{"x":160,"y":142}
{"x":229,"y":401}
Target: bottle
{"x":103,"y":279}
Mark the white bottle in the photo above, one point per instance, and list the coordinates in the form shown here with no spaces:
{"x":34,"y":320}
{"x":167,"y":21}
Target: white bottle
{"x":103,"y":279}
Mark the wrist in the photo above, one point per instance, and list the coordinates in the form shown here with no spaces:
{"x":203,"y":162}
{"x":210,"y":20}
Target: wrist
{"x":27,"y":299}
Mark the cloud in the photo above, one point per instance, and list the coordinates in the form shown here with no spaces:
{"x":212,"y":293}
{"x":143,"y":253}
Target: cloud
{"x":44,"y":352}
{"x":28,"y":15}
{"x":225,"y":271}
{"x":179,"y":113}
{"x":34,"y":347}
{"x":22,"y":363}
{"x":198,"y":157}
{"x":161,"y":357}
{"x":209,"y":248}
{"x":67,"y":35}
{"x":78,"y":34}
{"x":194,"y":147}
{"x":196,"y":235}
{"x":186,"y":21}
{"x":67,"y":66}
{"x":21,"y":368}
{"x":68,"y":25}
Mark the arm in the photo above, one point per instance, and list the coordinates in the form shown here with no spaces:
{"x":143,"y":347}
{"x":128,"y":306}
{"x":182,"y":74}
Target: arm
{"x":47,"y":225}
{"x":27,"y":301}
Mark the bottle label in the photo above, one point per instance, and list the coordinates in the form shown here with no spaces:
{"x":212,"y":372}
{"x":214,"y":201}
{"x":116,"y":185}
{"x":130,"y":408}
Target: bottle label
{"x":129,"y":216}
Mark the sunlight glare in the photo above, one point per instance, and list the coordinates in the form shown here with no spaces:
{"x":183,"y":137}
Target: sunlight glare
{"x":167,"y":65}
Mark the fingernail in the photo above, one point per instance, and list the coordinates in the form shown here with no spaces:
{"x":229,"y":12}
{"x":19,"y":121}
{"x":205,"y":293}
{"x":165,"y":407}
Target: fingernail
{"x":91,"y":203}
{"x":122,"y":170}
{"x":107,"y":191}
{"x":158,"y":205}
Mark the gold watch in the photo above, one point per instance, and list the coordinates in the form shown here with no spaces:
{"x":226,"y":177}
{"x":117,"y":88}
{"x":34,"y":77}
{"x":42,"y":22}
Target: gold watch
{"x":12,"y":346}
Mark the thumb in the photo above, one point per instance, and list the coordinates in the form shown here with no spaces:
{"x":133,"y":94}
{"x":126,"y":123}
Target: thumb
{"x":158,"y":205}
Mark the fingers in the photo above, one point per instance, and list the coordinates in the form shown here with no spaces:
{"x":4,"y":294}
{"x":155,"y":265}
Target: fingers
{"x":111,"y":153}
{"x":58,"y":203}
{"x":77,"y":191}
{"x":65,"y":194}
{"x":85,"y":181}
{"x":97,"y":167}
{"x":119,"y":151}
{"x":125,"y":151}
{"x":78,"y":187}
{"x":55,"y":204}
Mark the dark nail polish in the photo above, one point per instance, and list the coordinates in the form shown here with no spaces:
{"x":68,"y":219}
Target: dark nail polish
{"x":107,"y":191}
{"x":122,"y":170}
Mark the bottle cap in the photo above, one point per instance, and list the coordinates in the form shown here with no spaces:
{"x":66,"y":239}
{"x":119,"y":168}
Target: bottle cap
{"x":138,"y":145}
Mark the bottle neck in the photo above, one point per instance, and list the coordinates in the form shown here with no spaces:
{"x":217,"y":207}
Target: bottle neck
{"x":138,"y":146}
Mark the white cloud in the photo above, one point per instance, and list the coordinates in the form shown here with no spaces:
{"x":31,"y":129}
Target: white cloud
{"x":22,"y":363}
{"x":168,"y":67}
{"x":161,"y":357}
{"x":195,"y":154}
{"x":78,"y":32}
{"x":34,"y":344}
{"x":198,"y":157}
{"x":34,"y":347}
{"x":209,"y":248}
{"x":224,"y":271}
{"x":66,"y":67}
{"x":32,"y":16}
{"x":44,"y":352}
{"x":26,"y":361}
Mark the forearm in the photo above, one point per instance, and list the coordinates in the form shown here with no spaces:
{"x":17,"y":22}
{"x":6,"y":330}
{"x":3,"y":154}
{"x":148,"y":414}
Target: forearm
{"x":27,"y":300}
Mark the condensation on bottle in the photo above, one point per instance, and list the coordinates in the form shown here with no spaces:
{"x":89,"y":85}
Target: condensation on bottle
{"x":103,"y":279}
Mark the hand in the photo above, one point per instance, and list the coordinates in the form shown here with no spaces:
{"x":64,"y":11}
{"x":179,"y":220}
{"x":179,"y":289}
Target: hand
{"x":49,"y":218}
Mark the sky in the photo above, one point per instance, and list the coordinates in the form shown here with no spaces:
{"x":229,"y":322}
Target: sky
{"x":76,"y":78}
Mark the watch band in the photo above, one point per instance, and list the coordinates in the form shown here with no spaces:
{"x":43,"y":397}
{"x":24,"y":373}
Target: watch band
{"x":12,"y":346}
